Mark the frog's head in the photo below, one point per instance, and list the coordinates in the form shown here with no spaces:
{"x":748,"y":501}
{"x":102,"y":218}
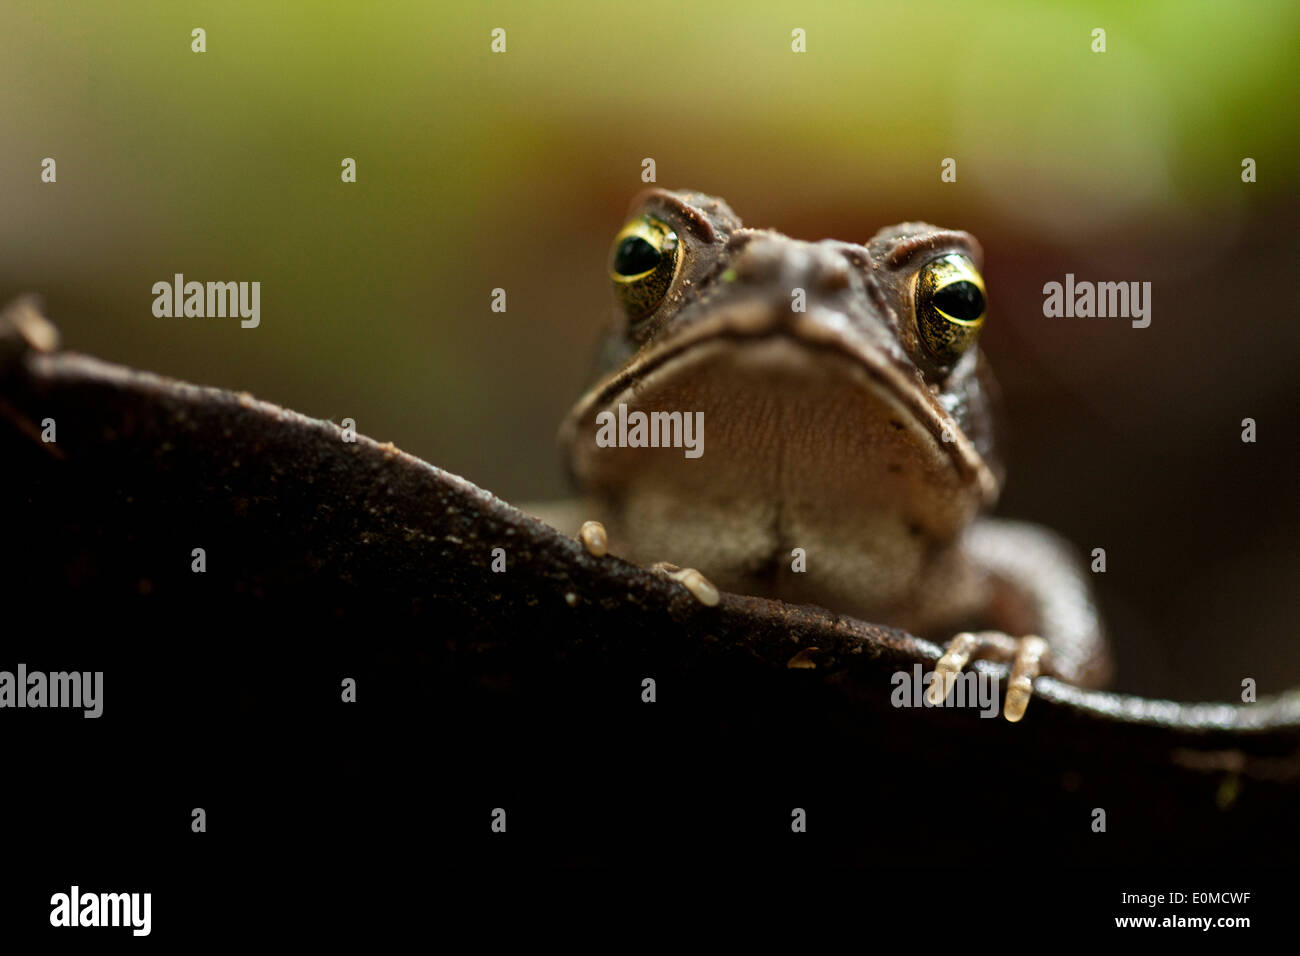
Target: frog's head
{"x":839,"y":382}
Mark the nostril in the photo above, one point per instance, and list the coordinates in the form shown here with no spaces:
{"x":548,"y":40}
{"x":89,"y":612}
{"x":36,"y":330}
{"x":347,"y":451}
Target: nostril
{"x":833,"y":275}
{"x":758,"y":260}
{"x":760,"y":257}
{"x":856,"y":256}
{"x":739,"y":239}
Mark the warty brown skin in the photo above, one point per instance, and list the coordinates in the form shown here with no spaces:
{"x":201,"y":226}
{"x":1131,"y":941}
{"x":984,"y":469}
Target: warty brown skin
{"x":835,"y":421}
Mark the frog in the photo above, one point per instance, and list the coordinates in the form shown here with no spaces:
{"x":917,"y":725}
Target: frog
{"x":849,"y":453}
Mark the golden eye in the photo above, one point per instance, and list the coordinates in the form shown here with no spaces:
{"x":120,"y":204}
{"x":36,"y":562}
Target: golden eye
{"x":644,"y":262}
{"x":950,"y":307}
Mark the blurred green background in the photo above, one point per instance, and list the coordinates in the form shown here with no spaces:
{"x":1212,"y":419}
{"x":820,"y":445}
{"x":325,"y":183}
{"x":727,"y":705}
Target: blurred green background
{"x":479,"y":170}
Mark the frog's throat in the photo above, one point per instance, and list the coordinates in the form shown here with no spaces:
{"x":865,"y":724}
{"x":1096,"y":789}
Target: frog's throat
{"x":813,"y":331}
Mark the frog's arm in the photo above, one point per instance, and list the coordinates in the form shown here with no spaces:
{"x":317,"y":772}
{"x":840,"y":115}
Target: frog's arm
{"x":1038,"y":585}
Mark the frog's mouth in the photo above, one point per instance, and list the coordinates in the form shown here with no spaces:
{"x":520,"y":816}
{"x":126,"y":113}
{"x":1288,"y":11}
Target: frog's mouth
{"x":802,"y":395}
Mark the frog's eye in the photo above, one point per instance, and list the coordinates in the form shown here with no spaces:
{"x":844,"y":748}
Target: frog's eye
{"x":949,"y":307}
{"x":644,"y":262}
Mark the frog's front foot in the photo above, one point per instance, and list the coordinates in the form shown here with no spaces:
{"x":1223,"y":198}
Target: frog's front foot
{"x":701,"y":588}
{"x":595,"y":539}
{"x":1026,"y":655}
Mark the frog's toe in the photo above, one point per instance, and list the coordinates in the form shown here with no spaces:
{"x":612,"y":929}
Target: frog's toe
{"x":1028,"y":662}
{"x":594,"y":538}
{"x":701,"y":588}
{"x":1025,"y":654}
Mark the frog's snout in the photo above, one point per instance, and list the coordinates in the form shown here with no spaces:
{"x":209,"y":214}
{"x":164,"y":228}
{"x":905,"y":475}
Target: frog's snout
{"x":771,"y":261}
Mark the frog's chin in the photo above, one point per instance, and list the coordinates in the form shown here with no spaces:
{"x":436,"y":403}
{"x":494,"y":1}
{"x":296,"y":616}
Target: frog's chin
{"x":801,"y":396}
{"x":763,"y":445}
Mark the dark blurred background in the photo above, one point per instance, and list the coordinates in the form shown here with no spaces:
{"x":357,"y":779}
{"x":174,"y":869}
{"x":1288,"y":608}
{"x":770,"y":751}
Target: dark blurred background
{"x":479,"y":170}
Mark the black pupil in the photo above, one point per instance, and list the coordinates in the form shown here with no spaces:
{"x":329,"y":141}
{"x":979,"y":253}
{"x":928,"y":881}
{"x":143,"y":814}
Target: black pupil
{"x":635,"y":256}
{"x":961,"y":300}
